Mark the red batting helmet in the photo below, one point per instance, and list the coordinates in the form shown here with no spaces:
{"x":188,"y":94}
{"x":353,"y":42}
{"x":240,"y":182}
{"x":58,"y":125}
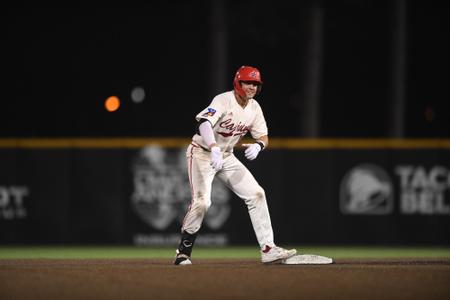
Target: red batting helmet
{"x":246,"y":73}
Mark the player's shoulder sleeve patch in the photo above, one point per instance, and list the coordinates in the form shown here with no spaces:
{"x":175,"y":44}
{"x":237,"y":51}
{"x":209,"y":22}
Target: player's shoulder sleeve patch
{"x":209,"y":112}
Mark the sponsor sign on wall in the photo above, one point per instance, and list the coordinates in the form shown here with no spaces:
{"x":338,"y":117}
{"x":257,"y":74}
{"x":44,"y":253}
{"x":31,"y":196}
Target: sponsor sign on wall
{"x":13,"y":202}
{"x":139,"y":195}
{"x":161,"y":196}
{"x":368,"y":189}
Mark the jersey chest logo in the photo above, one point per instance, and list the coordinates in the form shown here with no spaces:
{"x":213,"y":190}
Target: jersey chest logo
{"x":232,"y":129}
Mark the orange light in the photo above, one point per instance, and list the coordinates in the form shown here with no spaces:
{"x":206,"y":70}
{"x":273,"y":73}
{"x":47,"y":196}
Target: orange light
{"x":112,"y":103}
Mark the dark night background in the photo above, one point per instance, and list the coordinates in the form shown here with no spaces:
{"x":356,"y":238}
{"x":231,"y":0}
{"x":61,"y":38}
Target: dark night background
{"x":60,"y":64}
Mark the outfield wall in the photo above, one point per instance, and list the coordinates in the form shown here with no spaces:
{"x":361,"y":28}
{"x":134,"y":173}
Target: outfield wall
{"x":135,"y":191}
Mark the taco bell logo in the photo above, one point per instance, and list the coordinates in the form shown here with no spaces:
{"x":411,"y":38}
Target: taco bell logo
{"x":366,"y":190}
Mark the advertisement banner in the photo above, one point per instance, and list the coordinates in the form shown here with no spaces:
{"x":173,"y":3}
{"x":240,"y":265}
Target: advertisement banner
{"x":139,"y":195}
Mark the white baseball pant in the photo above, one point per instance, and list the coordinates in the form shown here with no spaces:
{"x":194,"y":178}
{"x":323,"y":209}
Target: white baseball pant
{"x":239,"y":179}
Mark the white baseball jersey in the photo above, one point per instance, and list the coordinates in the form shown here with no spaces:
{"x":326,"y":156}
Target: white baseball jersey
{"x":231,"y":122}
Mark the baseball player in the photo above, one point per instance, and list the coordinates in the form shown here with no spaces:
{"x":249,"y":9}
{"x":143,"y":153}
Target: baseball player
{"x":221,"y":126}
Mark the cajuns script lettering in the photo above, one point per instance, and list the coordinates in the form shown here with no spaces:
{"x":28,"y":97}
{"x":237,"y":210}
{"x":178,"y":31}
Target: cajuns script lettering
{"x":233,"y":129}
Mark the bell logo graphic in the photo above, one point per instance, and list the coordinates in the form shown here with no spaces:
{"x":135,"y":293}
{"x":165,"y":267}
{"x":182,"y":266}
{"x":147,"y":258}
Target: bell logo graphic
{"x":366,"y":190}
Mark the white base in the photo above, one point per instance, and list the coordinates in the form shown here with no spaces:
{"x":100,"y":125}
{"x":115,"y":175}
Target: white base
{"x":307,"y":259}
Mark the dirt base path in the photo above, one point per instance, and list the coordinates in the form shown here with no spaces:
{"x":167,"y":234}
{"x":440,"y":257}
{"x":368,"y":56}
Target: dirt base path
{"x":112,"y":279}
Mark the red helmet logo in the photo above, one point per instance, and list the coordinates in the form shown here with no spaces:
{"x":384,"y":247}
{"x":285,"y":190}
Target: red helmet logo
{"x":254,"y":74}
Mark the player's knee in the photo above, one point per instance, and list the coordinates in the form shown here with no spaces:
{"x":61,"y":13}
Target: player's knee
{"x":260,"y":194}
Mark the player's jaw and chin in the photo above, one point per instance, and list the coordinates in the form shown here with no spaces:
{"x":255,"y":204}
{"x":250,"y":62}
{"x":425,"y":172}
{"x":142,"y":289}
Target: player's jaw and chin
{"x":250,"y":94}
{"x":250,"y":90}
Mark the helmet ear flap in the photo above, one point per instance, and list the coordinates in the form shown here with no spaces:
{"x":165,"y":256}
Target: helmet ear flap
{"x":238,"y":87}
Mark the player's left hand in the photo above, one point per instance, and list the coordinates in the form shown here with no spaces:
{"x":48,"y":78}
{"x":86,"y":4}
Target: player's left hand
{"x":252,"y":150}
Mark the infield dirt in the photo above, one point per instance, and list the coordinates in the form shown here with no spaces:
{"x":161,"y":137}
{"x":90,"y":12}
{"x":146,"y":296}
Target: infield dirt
{"x":223,"y":279}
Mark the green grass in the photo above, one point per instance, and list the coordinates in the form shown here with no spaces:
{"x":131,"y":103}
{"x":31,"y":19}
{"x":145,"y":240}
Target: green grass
{"x":82,"y":252}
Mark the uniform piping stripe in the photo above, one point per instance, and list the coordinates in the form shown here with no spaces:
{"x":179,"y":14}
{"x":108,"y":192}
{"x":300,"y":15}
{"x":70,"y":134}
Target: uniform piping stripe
{"x":190,"y":184}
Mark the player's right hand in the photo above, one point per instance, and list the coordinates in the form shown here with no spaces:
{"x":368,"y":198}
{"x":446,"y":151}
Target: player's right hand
{"x":216,"y":158}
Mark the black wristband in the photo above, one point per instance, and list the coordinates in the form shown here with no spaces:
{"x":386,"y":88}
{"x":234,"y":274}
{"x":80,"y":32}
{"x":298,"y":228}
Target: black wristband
{"x":261,"y":145}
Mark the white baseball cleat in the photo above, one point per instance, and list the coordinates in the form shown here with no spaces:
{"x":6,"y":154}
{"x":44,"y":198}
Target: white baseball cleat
{"x":185,"y":262}
{"x":307,"y":259}
{"x":275,"y":254}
